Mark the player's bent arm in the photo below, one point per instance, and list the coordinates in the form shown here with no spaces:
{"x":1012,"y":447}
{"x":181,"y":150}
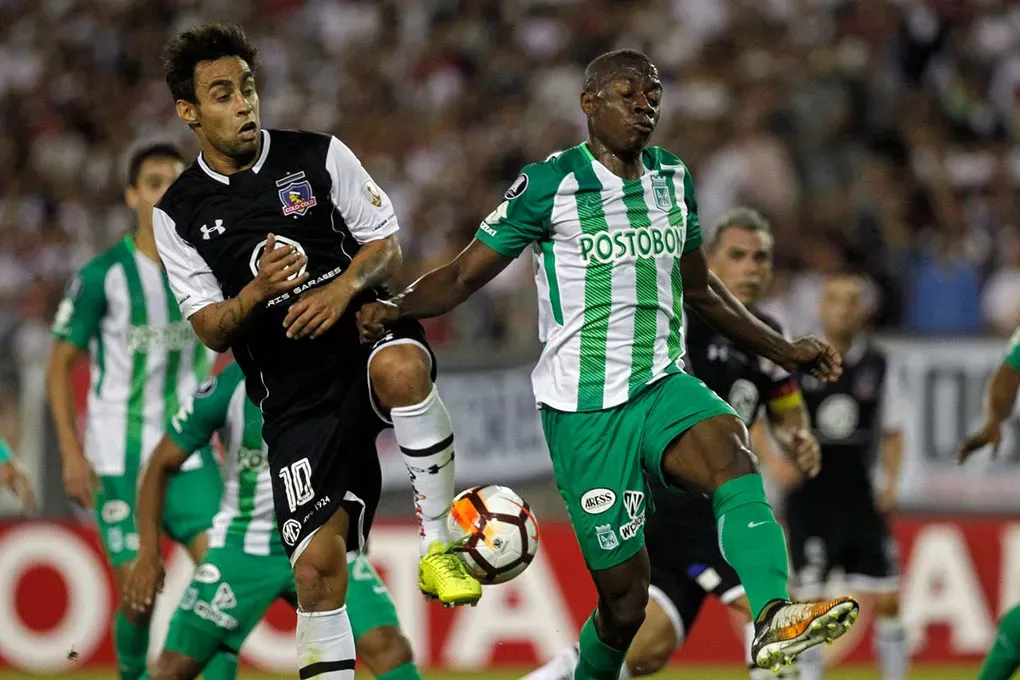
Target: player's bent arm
{"x":61,"y":396}
{"x":1000,"y":397}
{"x":221,"y":324}
{"x":165,"y":460}
{"x":892,"y":457}
{"x":374,"y":263}
{"x":707,"y":296}
{"x":444,"y":288}
{"x":773,"y":465}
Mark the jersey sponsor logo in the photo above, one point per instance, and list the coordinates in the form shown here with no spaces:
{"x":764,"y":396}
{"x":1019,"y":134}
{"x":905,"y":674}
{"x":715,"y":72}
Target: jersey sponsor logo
{"x":838,"y":416}
{"x":484,"y":226}
{"x":630,"y":244}
{"x":660,"y":190}
{"x":215,"y":230}
{"x":253,"y":460}
{"x":606,"y":536}
{"x":597,"y":501}
{"x":743,"y":398}
{"x":207,"y":387}
{"x":495,"y":217}
{"x":115,"y":511}
{"x":174,"y":336}
{"x":62,"y":319}
{"x":206,"y":573}
{"x":296,"y":194}
{"x":372,"y":193}
{"x":75,"y":287}
{"x":290,"y":531}
{"x":634,"y":504}
{"x":519,"y":186}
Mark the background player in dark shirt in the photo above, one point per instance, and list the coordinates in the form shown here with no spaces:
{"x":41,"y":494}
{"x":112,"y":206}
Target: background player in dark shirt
{"x":838,"y":519}
{"x":271,"y":240}
{"x":680,"y":535}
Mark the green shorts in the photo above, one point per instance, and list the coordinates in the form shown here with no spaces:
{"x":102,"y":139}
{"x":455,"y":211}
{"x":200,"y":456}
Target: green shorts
{"x":192,"y":498}
{"x":231,"y":590}
{"x":599,"y":459}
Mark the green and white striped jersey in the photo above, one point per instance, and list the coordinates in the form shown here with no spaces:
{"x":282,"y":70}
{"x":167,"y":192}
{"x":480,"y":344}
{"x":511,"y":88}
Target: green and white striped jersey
{"x":144,"y":357}
{"x":607,"y":266}
{"x":246,"y":519}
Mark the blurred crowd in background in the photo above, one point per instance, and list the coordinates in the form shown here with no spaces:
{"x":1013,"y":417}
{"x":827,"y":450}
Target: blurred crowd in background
{"x":882,"y":135}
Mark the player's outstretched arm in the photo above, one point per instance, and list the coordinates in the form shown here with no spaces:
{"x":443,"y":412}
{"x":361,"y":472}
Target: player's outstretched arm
{"x":146,"y":577}
{"x":707,"y":296}
{"x":1000,"y":397}
{"x":437,"y":292}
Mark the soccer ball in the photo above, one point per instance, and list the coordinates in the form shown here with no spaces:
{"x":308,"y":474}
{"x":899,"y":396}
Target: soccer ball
{"x":495,"y":532}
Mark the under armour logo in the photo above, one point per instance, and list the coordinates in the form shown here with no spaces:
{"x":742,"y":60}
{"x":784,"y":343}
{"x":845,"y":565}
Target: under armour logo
{"x":216,"y":229}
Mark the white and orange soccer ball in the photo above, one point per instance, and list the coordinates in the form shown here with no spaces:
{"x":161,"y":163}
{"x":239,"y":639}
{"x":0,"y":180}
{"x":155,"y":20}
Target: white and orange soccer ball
{"x":495,"y":531}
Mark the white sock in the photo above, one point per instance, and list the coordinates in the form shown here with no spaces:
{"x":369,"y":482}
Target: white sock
{"x":812,"y":664}
{"x":891,"y":648}
{"x":425,"y":436}
{"x":325,"y":645}
{"x":560,"y":667}
{"x":748,"y":641}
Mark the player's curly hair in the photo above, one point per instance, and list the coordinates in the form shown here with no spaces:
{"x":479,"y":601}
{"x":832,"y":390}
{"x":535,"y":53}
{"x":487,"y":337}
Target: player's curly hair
{"x":207,"y":42}
{"x":605,"y":67}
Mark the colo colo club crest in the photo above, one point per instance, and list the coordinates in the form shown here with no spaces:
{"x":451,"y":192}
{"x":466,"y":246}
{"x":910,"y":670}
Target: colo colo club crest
{"x":296,"y":194}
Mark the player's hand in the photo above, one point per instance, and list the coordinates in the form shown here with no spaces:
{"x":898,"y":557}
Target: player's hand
{"x":885,"y":499}
{"x":815,"y":357}
{"x":990,"y":433}
{"x":316,"y":311}
{"x":806,"y":453}
{"x":145,"y":582}
{"x":16,"y":479}
{"x":373,"y":319}
{"x":279,"y":269}
{"x":80,"y":480}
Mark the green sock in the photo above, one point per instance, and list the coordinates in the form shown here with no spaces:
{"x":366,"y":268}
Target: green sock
{"x":1004,"y":656}
{"x":597,"y":660}
{"x":132,"y":642}
{"x":751,"y":540}
{"x":223,"y":666}
{"x":406,"y":672}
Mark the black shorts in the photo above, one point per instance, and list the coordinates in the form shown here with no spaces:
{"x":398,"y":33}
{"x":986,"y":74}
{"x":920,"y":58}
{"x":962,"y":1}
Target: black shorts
{"x":857,"y":542}
{"x":687,"y":565}
{"x":325,"y":458}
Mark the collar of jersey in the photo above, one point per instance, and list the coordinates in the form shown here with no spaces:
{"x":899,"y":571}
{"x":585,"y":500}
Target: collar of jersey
{"x":224,"y":179}
{"x":600,"y":168}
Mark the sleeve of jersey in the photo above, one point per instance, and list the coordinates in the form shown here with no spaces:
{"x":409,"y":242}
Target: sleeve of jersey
{"x":523,"y":217}
{"x":201,"y":415}
{"x":1012,"y":357}
{"x":692,"y":240}
{"x":191,"y":279}
{"x":366,"y":208}
{"x":81,"y":310}
{"x":5,"y":451}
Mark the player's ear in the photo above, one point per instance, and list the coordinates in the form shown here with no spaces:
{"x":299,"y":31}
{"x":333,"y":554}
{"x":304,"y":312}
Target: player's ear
{"x":587,"y":103}
{"x":188,"y":112}
{"x":131,"y":197}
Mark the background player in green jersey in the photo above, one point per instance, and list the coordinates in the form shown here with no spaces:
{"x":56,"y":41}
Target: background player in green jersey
{"x":246,"y":567}
{"x":15,"y":478}
{"x":613,"y":228}
{"x":1000,"y":399}
{"x":144,"y":358}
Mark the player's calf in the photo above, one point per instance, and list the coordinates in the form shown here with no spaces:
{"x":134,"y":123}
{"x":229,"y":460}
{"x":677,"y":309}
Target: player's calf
{"x":387,"y":653}
{"x":654,"y":643}
{"x":890,"y":637}
{"x":130,"y":628}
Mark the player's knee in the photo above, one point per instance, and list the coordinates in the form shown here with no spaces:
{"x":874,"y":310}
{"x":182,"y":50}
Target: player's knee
{"x":135,"y":616}
{"x":654,"y":644}
{"x":887,"y":606}
{"x":401,"y":375}
{"x":384,"y":648}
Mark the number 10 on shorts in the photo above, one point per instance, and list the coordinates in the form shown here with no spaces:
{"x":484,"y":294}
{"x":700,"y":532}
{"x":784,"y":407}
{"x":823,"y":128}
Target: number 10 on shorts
{"x":297,"y":479}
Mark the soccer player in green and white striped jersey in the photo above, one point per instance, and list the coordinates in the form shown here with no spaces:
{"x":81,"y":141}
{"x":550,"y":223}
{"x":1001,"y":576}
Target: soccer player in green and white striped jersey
{"x":613,"y":228}
{"x":144,"y":358}
{"x":246,"y":567}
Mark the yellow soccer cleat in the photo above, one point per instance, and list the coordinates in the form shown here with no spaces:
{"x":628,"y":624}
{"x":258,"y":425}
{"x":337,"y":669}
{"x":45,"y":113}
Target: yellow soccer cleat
{"x":442,"y":576}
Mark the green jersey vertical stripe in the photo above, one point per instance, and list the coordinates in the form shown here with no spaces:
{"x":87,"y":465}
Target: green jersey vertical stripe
{"x":173,"y":355}
{"x":201,"y":361}
{"x":139,"y":359}
{"x":100,"y":359}
{"x":598,"y":295}
{"x":674,"y":342}
{"x":646,"y":273}
{"x":247,"y":474}
{"x":549,"y":264}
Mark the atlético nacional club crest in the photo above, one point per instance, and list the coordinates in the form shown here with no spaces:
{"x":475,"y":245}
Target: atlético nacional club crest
{"x":296,"y":194}
{"x":660,"y":188}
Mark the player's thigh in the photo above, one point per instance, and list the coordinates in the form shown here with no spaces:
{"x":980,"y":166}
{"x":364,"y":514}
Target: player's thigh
{"x":115,"y":518}
{"x":228,"y":595}
{"x":597,"y":465}
{"x":192,"y":500}
{"x":692,"y":438}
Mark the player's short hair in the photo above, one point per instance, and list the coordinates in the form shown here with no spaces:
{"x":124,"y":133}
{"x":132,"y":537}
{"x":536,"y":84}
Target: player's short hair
{"x":747,"y":219}
{"x":603,"y":68}
{"x":207,"y":42}
{"x":144,"y":153}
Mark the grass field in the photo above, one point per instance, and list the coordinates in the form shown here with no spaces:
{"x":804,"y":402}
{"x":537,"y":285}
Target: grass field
{"x":927,"y":673}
